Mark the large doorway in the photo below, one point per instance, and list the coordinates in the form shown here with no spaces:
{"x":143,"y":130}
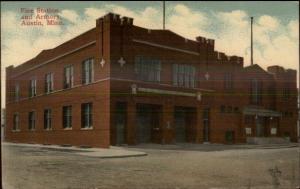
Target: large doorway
{"x":180,"y":125}
{"x":260,"y":127}
{"x":185,"y":124}
{"x":120,"y":122}
{"x":148,"y":123}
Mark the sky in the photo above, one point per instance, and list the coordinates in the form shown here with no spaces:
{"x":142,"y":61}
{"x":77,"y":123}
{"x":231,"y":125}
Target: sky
{"x":276,"y":27}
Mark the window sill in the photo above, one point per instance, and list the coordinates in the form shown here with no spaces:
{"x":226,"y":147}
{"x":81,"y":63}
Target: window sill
{"x":31,"y":130}
{"x":183,"y":87}
{"x":85,"y":84}
{"x":18,"y":130}
{"x":68,"y":129}
{"x":48,"y":129}
{"x":87,"y":128}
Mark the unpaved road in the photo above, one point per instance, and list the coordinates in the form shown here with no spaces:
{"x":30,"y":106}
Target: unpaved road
{"x":36,"y":168}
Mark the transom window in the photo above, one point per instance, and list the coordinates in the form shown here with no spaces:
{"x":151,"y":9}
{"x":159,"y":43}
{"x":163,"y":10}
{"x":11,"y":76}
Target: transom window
{"x":147,"y":69}
{"x":86,"y":115}
{"x":88,"y":71}
{"x":184,"y":75}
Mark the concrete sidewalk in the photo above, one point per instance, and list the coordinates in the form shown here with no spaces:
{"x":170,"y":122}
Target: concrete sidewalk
{"x":112,"y":152}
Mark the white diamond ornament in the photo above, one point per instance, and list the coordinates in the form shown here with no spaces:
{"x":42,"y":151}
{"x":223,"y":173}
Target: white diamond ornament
{"x":102,"y":62}
{"x":121,"y":61}
{"x":207,"y":76}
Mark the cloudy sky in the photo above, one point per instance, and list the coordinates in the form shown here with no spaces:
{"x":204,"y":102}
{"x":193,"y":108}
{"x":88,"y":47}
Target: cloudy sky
{"x":276,"y":27}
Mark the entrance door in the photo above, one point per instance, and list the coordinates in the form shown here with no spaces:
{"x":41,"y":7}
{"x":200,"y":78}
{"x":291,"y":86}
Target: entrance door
{"x":120,"y":122}
{"x":206,"y":124}
{"x":260,"y":129}
{"x":180,"y":124}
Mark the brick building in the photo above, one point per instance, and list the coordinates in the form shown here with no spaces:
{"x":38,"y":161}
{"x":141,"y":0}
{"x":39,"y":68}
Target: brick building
{"x":122,"y":84}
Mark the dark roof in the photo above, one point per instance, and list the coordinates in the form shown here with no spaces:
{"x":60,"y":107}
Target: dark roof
{"x":255,"y":67}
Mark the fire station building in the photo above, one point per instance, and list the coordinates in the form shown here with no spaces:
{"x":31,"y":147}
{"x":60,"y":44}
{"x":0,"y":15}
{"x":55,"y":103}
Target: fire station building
{"x":123,"y":84}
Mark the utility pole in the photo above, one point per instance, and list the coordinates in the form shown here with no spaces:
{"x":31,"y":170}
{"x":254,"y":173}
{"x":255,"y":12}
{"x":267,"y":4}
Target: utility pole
{"x":164,"y":10}
{"x":251,"y":40}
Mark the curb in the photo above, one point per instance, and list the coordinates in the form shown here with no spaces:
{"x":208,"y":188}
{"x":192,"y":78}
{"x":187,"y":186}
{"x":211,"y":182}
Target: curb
{"x":125,"y":156}
{"x":88,"y":152}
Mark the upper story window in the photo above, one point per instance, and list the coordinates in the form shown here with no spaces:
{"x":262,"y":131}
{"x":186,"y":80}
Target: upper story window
{"x":256,"y":92}
{"x":31,"y":120}
{"x":88,"y":71}
{"x":68,"y":77}
{"x":16,"y":122}
{"x":184,"y":75}
{"x":32,"y":88}
{"x":67,"y":117}
{"x":228,"y":81}
{"x":17,"y":92}
{"x":86,"y":115}
{"x":49,"y":82}
{"x":147,"y":69}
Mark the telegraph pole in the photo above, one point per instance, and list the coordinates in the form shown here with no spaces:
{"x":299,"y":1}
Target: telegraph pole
{"x":164,"y":14}
{"x":251,"y":40}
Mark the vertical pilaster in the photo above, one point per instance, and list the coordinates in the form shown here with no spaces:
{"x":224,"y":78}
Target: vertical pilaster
{"x":199,"y":125}
{"x":131,"y":122}
{"x":167,"y":124}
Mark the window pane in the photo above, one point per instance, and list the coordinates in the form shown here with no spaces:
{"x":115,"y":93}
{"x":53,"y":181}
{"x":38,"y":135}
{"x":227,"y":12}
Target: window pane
{"x":147,"y":69}
{"x":31,"y":120}
{"x":71,"y":75}
{"x":92,"y":70}
{"x":192,"y":79}
{"x":184,"y":75}
{"x":86,"y":115}
{"x":175,"y":74}
{"x":52,"y":81}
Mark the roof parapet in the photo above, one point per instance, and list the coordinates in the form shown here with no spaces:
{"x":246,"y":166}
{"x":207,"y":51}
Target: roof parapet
{"x":115,"y":19}
{"x":205,"y":42}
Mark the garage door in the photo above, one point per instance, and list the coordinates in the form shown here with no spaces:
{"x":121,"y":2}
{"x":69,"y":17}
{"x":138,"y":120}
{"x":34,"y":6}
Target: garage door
{"x":180,"y":124}
{"x":144,"y":125}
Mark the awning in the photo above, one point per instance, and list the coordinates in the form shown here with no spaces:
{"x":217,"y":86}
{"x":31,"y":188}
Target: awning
{"x":261,"y":112}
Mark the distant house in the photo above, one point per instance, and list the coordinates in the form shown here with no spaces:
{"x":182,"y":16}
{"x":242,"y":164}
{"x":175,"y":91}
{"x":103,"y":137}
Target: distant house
{"x":123,"y":84}
{"x":2,"y":123}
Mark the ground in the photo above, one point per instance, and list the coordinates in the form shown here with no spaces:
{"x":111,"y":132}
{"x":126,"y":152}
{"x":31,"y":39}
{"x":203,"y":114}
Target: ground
{"x":183,"y":167}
